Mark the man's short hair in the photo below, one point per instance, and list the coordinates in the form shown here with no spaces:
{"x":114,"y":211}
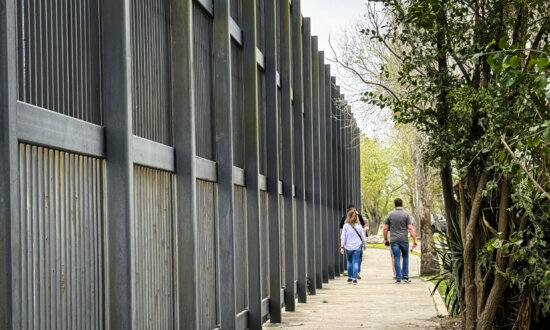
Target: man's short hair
{"x":351,"y":206}
{"x":398,"y":202}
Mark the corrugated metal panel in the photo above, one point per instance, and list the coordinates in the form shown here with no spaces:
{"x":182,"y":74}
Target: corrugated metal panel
{"x":260,"y":25}
{"x":237,"y":103}
{"x":207,"y":248}
{"x":264,"y":243}
{"x":280,"y":130}
{"x":282,"y":238}
{"x":295,"y":234}
{"x":236,"y":10}
{"x":241,"y":252}
{"x":61,"y":276}
{"x":278,"y":24}
{"x":151,"y":97}
{"x":262,"y":115}
{"x":154,"y":249}
{"x":203,"y":78}
{"x":59,"y":56}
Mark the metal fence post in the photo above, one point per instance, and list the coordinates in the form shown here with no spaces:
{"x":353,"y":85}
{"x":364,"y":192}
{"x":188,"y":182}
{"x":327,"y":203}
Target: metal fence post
{"x":9,"y":174}
{"x":318,"y":214}
{"x":183,"y":105}
{"x":298,"y":108}
{"x":309,"y":156}
{"x":272,"y":160}
{"x":323,"y":168}
{"x":332,"y":229}
{"x":287,"y":161}
{"x":224,"y":156}
{"x":335,"y":176}
{"x":252,"y":162}
{"x":118,"y":150}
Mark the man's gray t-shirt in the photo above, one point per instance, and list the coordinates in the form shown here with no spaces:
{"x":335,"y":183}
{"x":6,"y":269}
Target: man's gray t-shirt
{"x":399,"y":221}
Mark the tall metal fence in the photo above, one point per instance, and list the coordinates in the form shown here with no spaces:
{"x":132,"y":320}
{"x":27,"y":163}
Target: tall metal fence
{"x":167,"y":163}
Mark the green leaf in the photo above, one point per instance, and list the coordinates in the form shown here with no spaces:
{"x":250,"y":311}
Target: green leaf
{"x":490,"y":44}
{"x":506,"y":62}
{"x":532,"y":260}
{"x":515,"y":62}
{"x":542,"y":63}
{"x":541,"y":81}
{"x":497,"y":244}
{"x":532,"y":62}
{"x":517,"y":254}
{"x":475,"y":58}
{"x":503,"y":42}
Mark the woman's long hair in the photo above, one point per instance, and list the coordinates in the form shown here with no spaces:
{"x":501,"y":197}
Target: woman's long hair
{"x":352,"y":218}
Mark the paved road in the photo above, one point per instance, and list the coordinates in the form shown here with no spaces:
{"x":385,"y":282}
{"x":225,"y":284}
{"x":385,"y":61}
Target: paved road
{"x":375,"y":303}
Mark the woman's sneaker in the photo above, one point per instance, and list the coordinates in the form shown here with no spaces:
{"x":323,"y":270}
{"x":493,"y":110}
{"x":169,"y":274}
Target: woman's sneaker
{"x":354,"y":282}
{"x":349,"y":280}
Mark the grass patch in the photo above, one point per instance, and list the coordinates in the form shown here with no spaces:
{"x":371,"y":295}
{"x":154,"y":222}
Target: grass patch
{"x":376,"y":246}
{"x":325,"y":302}
{"x":442,"y":288}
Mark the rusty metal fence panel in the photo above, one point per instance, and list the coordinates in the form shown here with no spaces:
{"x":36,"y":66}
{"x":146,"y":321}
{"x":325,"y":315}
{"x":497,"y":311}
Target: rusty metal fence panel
{"x":61,"y":240}
{"x":207,"y":248}
{"x":59,"y":57}
{"x":237,"y":103}
{"x":151,"y":91}
{"x":203,"y":81}
{"x":264,"y":239}
{"x":241,"y":246}
{"x":262,"y":122}
{"x":154,"y":249}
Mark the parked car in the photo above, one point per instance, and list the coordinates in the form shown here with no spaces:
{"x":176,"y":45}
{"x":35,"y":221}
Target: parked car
{"x":438,"y":224}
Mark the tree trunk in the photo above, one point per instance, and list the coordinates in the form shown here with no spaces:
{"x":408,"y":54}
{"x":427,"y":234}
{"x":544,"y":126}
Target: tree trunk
{"x":498,"y":290}
{"x":428,"y":262}
{"x":470,"y":254}
{"x":449,"y":200}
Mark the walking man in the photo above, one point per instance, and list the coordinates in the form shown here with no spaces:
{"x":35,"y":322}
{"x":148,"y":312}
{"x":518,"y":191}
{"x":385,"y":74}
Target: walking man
{"x":401,"y":225}
{"x":351,"y":207}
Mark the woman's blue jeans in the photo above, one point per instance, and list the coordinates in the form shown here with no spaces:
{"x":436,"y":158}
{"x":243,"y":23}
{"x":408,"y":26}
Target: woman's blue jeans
{"x":353,"y":258}
{"x":401,"y":249}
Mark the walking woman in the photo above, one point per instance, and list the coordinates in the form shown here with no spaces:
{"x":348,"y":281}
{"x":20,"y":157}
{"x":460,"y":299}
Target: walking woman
{"x":353,"y":240}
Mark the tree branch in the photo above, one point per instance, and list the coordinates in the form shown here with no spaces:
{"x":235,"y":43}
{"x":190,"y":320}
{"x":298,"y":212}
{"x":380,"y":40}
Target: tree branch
{"x":539,"y":187}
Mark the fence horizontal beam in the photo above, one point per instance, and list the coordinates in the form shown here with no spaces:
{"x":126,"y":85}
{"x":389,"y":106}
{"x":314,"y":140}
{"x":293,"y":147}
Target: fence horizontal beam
{"x":239,"y":176}
{"x":265,"y":306}
{"x":206,"y":169}
{"x":260,"y":58}
{"x":242,"y":320}
{"x":152,"y":154}
{"x":208,"y":5}
{"x":235,"y":31}
{"x":51,"y":129}
{"x":262,"y":182}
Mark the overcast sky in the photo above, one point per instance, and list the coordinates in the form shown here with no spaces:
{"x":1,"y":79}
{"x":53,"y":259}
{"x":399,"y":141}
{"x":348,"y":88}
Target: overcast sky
{"x":329,"y":18}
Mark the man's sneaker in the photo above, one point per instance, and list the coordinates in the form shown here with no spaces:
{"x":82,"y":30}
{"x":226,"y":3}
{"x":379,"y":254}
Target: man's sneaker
{"x":349,"y":280}
{"x":406,"y":280}
{"x":354,"y":282}
{"x":358,"y":277}
{"x":397,"y":282}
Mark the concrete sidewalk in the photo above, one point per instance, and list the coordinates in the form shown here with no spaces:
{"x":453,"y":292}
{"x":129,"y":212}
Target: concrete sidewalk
{"x":375,"y":303}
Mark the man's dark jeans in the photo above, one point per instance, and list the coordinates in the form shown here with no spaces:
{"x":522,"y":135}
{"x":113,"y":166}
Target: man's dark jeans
{"x":398,"y":249}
